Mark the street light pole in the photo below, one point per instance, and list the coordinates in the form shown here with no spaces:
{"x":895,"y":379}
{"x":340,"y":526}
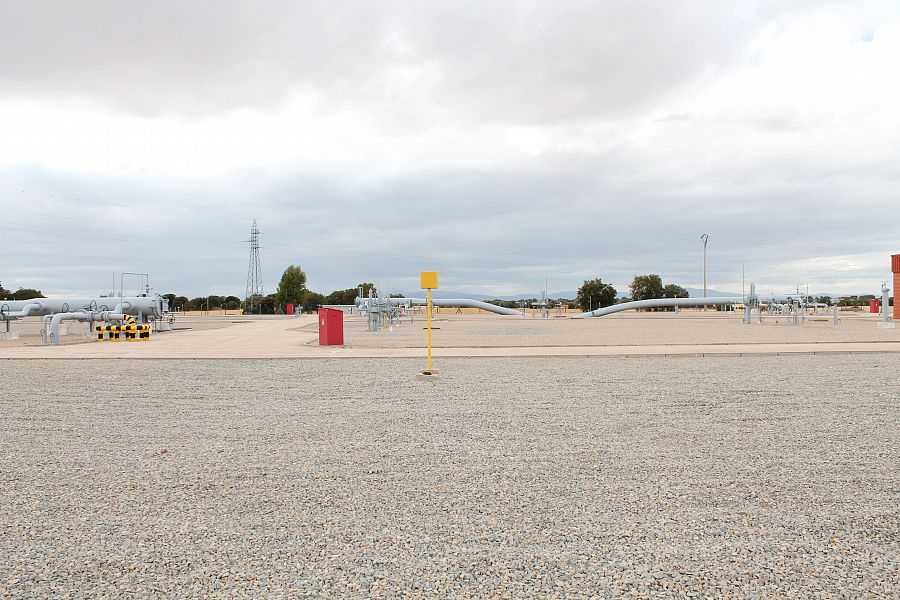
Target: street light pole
{"x":705,"y":238}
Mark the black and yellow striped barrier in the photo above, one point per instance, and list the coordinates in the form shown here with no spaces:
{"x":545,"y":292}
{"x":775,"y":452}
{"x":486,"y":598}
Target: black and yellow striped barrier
{"x":130,"y":332}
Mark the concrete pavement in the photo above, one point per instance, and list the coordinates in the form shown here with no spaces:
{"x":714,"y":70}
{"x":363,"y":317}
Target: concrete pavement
{"x":297,"y":337}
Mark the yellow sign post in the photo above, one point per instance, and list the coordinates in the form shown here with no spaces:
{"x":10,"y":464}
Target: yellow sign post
{"x":429,"y":281}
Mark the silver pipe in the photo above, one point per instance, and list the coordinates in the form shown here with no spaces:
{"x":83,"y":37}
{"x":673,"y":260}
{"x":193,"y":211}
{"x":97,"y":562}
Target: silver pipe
{"x":661,"y":303}
{"x":147,"y":306}
{"x":45,"y":330}
{"x":80,"y":316}
{"x":445,"y":302}
{"x":26,"y":308}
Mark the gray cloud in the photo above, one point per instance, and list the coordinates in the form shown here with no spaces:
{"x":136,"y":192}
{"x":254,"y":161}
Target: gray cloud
{"x":790,"y":195}
{"x":419,"y":63}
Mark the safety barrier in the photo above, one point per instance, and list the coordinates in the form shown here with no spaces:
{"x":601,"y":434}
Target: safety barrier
{"x":130,"y":332}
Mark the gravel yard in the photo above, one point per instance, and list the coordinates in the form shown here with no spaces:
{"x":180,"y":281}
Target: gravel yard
{"x":725,"y":477}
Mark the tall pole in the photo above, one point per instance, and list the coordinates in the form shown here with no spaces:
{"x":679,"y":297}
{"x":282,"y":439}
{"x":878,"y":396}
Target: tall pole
{"x":429,"y":329}
{"x":705,"y":238}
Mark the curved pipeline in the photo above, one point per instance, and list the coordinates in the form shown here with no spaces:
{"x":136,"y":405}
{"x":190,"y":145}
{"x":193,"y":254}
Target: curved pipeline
{"x":445,"y":302}
{"x":468,"y":303}
{"x":26,"y":310}
{"x":660,"y":303}
{"x":79,"y":316}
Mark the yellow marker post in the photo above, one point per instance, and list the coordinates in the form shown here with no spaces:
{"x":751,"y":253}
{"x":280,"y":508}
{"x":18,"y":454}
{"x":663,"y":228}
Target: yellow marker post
{"x":429,"y":281}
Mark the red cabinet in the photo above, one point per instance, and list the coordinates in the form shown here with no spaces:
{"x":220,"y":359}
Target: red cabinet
{"x":331,"y":327}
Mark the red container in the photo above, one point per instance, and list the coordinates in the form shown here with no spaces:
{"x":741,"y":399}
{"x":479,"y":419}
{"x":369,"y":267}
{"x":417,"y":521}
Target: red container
{"x":895,"y":263}
{"x":289,"y":309}
{"x":874,"y":306}
{"x":331,"y":327}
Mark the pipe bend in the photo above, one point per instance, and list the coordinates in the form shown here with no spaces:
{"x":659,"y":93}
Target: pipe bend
{"x":60,"y":317}
{"x":25,"y":312}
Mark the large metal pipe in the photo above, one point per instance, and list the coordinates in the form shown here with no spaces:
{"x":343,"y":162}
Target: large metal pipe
{"x":445,"y":302}
{"x":80,"y":316}
{"x":468,"y":303}
{"x":145,"y":306}
{"x":662,"y":303}
{"x":8,"y":310}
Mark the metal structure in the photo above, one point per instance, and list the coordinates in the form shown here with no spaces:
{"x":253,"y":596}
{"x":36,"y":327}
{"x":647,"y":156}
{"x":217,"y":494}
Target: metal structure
{"x":705,"y":238}
{"x":544,"y":304}
{"x":793,"y":308}
{"x":254,"y":271}
{"x":107,"y":309}
{"x":385,"y":311}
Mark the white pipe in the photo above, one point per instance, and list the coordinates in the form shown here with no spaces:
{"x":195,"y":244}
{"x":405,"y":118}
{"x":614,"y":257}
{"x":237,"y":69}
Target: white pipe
{"x":146,"y":306}
{"x":25,"y":311}
{"x":445,"y":302}
{"x":45,"y":328}
{"x":660,"y":303}
{"x":80,"y":316}
{"x":58,"y":318}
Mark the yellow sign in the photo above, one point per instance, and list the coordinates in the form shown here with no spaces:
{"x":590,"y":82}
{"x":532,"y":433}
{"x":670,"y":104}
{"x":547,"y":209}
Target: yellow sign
{"x":429,"y":280}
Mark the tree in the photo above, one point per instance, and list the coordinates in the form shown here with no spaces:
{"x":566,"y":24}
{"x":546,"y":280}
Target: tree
{"x":595,"y":294}
{"x":198,"y":303}
{"x":181,"y":302}
{"x":292,"y":288}
{"x":672,"y":290}
{"x":4,"y":293}
{"x":313,"y":301}
{"x":231,"y":303}
{"x":266,"y":304}
{"x":646,"y":287}
{"x":26,"y":294}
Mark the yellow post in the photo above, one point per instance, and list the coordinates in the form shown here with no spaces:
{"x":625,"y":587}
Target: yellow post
{"x":429,"y":329}
{"x":429,"y":281}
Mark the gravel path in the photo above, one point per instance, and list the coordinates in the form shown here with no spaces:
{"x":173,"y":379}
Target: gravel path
{"x":726,"y":477}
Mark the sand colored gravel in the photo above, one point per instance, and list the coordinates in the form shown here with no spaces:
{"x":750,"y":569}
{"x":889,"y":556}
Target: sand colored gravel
{"x":753,"y":477}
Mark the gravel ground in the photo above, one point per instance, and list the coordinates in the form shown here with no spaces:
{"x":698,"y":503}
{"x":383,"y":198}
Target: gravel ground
{"x":725,"y":477}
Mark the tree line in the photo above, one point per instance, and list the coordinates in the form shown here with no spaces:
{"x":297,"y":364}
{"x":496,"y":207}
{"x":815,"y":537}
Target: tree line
{"x":292,"y":289}
{"x":594,"y":294}
{"x":19,"y":294}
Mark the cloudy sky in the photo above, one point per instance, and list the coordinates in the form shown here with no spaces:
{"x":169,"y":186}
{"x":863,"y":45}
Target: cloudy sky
{"x":499,"y":143}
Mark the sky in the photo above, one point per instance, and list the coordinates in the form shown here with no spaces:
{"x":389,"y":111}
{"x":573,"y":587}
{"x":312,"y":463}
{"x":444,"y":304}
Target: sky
{"x":504,"y":144}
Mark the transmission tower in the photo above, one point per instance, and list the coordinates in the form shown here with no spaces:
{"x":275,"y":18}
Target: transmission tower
{"x":254,"y":271}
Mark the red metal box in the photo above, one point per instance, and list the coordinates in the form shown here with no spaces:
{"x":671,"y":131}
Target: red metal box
{"x":331,"y":327}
